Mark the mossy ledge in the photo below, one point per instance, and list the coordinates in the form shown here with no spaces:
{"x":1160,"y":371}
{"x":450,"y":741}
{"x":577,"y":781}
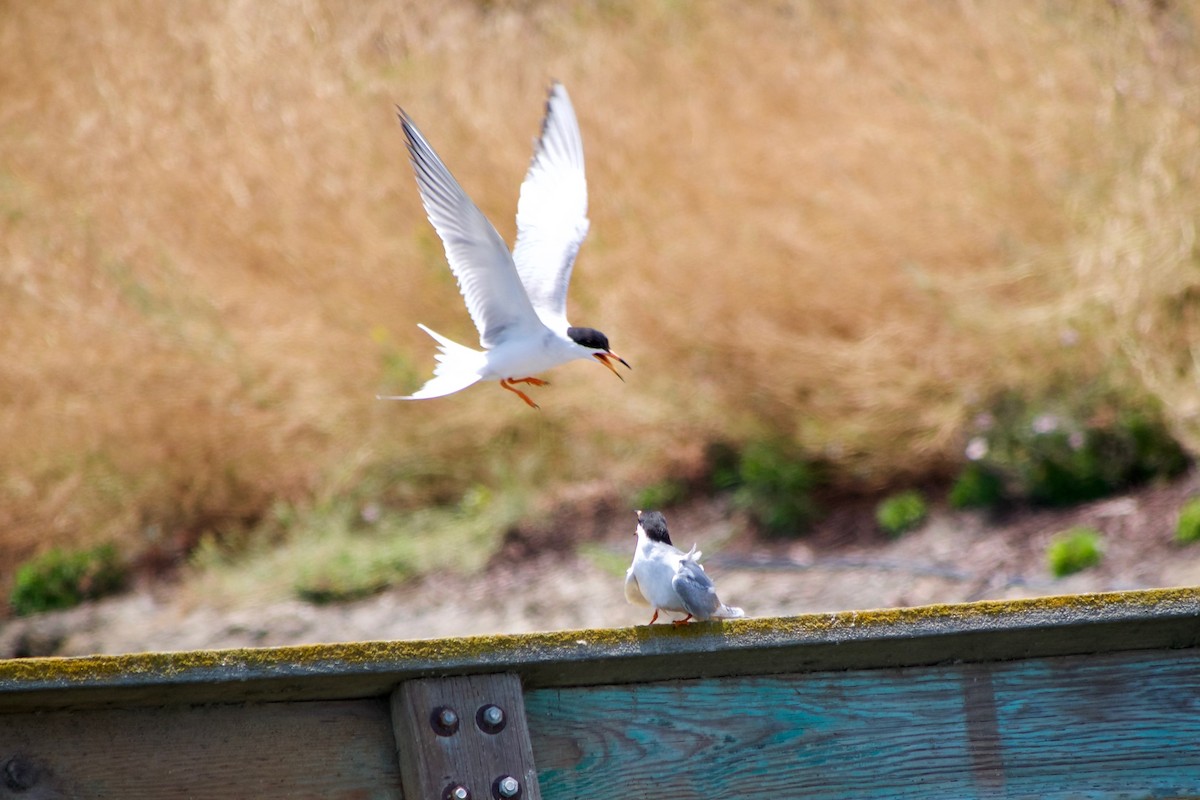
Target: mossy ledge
{"x":894,"y":637}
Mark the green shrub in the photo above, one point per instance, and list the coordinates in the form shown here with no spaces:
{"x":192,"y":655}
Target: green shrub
{"x":901,"y":512}
{"x":344,"y":577}
{"x":774,"y":484}
{"x":977,"y":486}
{"x":64,"y":578}
{"x":1067,"y":447}
{"x":1074,"y":550}
{"x":1187,"y":529}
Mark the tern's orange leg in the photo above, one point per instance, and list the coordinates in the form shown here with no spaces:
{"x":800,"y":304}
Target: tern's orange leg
{"x":683,"y":621}
{"x":531,"y":381}
{"x":651,"y":622}
{"x":507,"y":383}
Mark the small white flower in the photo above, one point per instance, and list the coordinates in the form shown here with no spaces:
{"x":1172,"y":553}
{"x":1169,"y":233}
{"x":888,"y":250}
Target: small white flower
{"x":977,"y":448}
{"x":1045,"y":423}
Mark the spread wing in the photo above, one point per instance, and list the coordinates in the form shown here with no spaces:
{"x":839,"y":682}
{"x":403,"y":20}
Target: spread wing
{"x":552,"y":212}
{"x":478,"y":257}
{"x":633,"y":591}
{"x":695,"y":589}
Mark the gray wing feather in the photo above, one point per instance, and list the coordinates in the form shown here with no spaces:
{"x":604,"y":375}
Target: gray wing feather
{"x":478,"y":257}
{"x":696,"y":590}
{"x":552,"y":212}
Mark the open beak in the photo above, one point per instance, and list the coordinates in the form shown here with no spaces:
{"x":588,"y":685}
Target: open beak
{"x":607,"y":359}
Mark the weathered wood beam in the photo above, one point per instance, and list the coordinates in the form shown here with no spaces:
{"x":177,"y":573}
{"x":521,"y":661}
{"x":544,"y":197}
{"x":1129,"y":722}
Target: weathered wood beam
{"x":318,"y":750}
{"x":973,"y":632}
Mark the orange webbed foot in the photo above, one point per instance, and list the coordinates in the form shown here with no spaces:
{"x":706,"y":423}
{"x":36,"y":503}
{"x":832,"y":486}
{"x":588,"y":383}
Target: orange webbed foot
{"x":507,"y":383}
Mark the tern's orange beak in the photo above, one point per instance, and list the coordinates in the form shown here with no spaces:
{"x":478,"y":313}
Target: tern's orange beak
{"x":606,"y":358}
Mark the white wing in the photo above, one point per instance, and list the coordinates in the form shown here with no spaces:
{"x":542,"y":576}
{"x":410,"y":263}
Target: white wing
{"x":633,"y":590}
{"x":552,"y":212}
{"x":478,"y":256}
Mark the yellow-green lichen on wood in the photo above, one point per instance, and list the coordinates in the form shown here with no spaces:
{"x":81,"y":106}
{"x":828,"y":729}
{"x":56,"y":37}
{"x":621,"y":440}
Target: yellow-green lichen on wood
{"x":984,"y":630}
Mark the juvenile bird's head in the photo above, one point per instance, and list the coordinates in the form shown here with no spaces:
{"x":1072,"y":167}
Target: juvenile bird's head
{"x":593,"y":339}
{"x":654,"y":525}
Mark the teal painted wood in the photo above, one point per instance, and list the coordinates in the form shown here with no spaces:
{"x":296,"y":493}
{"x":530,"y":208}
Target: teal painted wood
{"x":1125,"y":725}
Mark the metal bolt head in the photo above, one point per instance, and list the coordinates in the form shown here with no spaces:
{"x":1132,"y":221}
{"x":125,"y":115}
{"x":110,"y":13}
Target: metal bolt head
{"x":507,"y":787}
{"x":444,"y":721}
{"x":456,"y":791}
{"x":490,"y":718}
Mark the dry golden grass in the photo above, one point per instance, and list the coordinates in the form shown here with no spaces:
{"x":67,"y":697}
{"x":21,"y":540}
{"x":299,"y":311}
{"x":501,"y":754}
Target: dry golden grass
{"x":842,"y":223}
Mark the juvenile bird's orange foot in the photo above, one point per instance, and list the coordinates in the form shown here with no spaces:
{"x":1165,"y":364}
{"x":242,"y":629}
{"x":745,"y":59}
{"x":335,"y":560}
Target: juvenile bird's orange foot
{"x":507,"y":383}
{"x":684,"y":621}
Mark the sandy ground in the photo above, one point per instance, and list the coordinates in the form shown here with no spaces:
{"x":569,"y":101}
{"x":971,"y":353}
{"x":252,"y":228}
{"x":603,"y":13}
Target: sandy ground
{"x":844,"y":564}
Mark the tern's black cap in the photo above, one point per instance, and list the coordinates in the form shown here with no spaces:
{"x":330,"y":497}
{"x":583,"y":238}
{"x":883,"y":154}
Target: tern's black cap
{"x":655,"y":526}
{"x":588,"y":337}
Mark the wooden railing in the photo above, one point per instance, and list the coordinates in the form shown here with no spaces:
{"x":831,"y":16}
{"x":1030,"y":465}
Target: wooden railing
{"x":1087,"y":696}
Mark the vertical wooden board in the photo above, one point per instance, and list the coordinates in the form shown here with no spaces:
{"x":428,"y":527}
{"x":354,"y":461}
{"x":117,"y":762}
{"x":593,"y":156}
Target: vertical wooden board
{"x":471,"y":754}
{"x":329,"y":749}
{"x":1120,"y":726}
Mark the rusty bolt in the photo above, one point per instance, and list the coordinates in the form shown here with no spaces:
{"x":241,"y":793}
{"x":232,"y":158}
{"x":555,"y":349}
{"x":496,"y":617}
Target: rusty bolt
{"x":456,"y":791}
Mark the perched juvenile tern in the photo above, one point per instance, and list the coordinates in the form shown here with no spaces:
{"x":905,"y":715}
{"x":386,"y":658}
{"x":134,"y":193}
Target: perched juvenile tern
{"x":518,"y":301}
{"x":670,"y":580}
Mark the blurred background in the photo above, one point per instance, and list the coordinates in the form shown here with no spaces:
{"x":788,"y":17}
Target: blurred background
{"x":941,"y":255}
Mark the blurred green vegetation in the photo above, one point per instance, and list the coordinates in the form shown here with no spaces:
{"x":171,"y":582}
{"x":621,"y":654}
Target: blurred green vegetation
{"x":771,"y":480}
{"x":1069,"y":445}
{"x":60,"y":579}
{"x":661,"y":494}
{"x":1074,"y":550}
{"x":901,"y":512}
{"x":1187,"y":528}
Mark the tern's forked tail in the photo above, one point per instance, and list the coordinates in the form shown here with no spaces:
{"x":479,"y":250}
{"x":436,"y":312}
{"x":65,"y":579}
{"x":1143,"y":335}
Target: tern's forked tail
{"x":728,"y":612}
{"x":458,"y":367}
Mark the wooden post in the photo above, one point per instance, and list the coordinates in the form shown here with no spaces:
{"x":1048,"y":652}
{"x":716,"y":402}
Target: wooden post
{"x":464,"y":738}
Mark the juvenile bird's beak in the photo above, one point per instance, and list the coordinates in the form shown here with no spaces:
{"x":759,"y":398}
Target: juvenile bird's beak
{"x":606,"y":358}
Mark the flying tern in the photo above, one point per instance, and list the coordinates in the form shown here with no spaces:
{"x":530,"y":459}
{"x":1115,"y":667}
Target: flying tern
{"x":670,"y":580}
{"x":517,"y":300}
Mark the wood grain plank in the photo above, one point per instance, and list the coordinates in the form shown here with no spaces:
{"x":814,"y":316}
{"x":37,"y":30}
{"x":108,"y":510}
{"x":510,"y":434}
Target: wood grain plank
{"x":335,"y":749}
{"x":1119,"y":726}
